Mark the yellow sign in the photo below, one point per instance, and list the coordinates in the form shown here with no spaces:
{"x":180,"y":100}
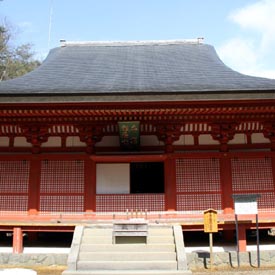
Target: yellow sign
{"x":210,"y":221}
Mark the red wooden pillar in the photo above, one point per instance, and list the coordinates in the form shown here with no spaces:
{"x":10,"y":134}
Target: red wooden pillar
{"x":17,"y":241}
{"x":90,"y":185}
{"x":273,"y":167}
{"x":242,"y":238}
{"x":170,"y":184}
{"x":226,"y":184}
{"x":34,"y":185}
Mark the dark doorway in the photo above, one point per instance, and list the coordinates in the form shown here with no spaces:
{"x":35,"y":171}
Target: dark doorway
{"x":147,"y":177}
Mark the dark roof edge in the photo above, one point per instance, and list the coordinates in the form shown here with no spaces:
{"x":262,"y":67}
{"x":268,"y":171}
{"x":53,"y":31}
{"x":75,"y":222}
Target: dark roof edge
{"x":64,"y":93}
{"x":138,"y":97}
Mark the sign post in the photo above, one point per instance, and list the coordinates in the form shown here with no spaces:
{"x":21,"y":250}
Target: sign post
{"x":210,"y":226}
{"x":246,"y":204}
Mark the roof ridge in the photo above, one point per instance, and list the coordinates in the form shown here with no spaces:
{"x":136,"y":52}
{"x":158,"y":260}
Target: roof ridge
{"x":64,"y":43}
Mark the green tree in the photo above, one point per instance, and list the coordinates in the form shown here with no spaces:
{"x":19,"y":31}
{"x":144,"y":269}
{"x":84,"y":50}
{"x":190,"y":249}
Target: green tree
{"x":14,"y":61}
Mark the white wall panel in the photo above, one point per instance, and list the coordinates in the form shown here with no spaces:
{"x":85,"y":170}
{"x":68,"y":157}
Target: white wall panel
{"x":259,"y":138}
{"x":113,"y":178}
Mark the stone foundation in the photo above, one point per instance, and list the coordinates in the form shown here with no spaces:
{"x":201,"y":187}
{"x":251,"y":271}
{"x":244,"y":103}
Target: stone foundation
{"x":201,"y":259}
{"x":29,"y":260}
{"x":196,"y":260}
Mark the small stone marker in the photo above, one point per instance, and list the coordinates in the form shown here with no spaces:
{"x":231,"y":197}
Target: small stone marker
{"x":130,"y":228}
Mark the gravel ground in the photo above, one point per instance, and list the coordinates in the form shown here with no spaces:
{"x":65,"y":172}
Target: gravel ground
{"x":241,"y":271}
{"x":261,"y":271}
{"x":54,"y":270}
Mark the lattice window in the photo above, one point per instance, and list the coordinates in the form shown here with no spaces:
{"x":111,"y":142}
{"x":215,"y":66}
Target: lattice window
{"x":198,"y":202}
{"x":255,"y":176}
{"x":198,"y":175}
{"x":252,"y":174}
{"x":62,"y":186}
{"x":266,"y":202}
{"x":62,"y":176}
{"x":14,"y":203}
{"x":56,"y":203}
{"x":14,"y":182}
{"x":14,"y":176}
{"x":198,"y":184}
{"x":120,"y":203}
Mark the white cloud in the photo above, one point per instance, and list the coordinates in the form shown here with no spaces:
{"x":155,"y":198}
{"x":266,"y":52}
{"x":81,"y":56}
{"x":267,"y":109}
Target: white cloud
{"x":258,"y":17}
{"x":251,"y":51}
{"x":241,"y":55}
{"x":264,"y":73}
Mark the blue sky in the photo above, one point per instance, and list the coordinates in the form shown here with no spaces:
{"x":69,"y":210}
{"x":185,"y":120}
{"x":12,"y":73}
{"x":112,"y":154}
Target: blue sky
{"x":242,"y":31}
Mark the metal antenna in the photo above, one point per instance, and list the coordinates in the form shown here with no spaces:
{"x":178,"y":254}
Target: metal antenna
{"x":50,"y":24}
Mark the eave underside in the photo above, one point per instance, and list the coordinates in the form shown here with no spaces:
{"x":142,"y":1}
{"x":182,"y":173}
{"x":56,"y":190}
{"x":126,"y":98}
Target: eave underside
{"x":99,"y":112}
{"x":168,"y":121}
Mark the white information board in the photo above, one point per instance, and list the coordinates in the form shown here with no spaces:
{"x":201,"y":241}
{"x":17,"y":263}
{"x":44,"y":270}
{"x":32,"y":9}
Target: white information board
{"x":242,"y":208}
{"x":246,"y":204}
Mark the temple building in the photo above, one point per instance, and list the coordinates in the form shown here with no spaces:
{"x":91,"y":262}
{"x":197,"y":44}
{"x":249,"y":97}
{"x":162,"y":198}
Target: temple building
{"x":106,"y":130}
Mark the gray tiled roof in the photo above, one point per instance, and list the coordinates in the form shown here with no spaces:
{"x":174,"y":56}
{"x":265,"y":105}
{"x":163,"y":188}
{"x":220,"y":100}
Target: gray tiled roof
{"x":153,"y":67}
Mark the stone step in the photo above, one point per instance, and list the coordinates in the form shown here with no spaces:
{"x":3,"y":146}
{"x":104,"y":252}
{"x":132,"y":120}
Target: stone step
{"x":97,"y":255}
{"x":127,"y":248}
{"x":127,"y":256}
{"x":127,"y":272}
{"x":156,"y":231}
{"x":129,"y":265}
{"x":159,"y":231}
{"x":97,"y":231}
{"x":160,"y":239}
{"x":108,"y":239}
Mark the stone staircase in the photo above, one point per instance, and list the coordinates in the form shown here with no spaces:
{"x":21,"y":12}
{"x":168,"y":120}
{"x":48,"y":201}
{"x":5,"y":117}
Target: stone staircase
{"x":95,"y":251}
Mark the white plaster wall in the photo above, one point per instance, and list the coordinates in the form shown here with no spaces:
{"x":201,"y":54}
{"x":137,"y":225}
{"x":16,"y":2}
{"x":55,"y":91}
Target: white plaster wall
{"x":74,"y":142}
{"x":4,"y":141}
{"x":238,"y":139}
{"x":21,"y":142}
{"x":113,"y":178}
{"x":52,"y":142}
{"x":207,"y":140}
{"x":108,"y":141}
{"x":150,"y":140}
{"x":185,"y":140}
{"x":259,"y":138}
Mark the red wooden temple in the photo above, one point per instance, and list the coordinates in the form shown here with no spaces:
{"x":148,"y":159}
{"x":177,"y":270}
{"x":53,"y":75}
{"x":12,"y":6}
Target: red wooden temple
{"x":106,"y":130}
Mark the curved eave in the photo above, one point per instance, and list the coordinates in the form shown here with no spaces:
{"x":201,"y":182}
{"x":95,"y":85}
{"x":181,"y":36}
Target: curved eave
{"x":131,"y":72}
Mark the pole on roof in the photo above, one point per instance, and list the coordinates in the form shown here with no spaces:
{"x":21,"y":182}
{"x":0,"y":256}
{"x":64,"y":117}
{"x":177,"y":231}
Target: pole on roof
{"x":50,"y":24}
